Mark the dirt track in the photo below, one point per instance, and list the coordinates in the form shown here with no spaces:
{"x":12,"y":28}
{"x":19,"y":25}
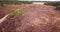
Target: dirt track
{"x":36,"y":18}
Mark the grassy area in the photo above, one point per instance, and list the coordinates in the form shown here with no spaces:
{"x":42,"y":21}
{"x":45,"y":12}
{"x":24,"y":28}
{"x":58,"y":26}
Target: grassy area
{"x":15,"y":13}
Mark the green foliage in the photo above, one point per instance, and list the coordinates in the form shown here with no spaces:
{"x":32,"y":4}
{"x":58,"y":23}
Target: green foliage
{"x":16,"y":13}
{"x":15,"y":2}
{"x":19,"y":12}
{"x":56,"y":4}
{"x":52,"y":3}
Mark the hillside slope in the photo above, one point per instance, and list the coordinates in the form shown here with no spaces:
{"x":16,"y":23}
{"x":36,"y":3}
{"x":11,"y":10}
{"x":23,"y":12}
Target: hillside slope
{"x":36,"y":18}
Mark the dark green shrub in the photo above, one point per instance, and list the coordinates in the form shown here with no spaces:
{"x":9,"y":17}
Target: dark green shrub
{"x":52,"y":3}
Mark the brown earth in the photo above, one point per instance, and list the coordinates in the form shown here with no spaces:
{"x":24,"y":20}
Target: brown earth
{"x":36,"y":18}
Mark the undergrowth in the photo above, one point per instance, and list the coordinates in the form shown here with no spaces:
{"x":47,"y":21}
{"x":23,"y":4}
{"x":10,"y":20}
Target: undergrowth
{"x":16,"y":13}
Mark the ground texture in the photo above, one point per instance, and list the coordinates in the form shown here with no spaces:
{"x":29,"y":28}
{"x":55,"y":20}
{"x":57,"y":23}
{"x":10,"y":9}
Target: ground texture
{"x":36,"y":18}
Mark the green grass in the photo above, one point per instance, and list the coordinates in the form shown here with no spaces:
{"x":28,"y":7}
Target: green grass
{"x":19,"y":12}
{"x":16,"y":13}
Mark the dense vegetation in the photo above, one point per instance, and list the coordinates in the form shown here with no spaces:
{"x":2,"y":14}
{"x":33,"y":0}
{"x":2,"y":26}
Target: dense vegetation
{"x":52,"y":3}
{"x":14,"y":2}
{"x":57,"y":4}
{"x":15,"y":13}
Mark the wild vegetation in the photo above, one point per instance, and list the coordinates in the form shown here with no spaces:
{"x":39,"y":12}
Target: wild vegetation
{"x":15,"y":13}
{"x":37,"y":18}
{"x":14,"y":2}
{"x":52,"y":3}
{"x":56,"y":4}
